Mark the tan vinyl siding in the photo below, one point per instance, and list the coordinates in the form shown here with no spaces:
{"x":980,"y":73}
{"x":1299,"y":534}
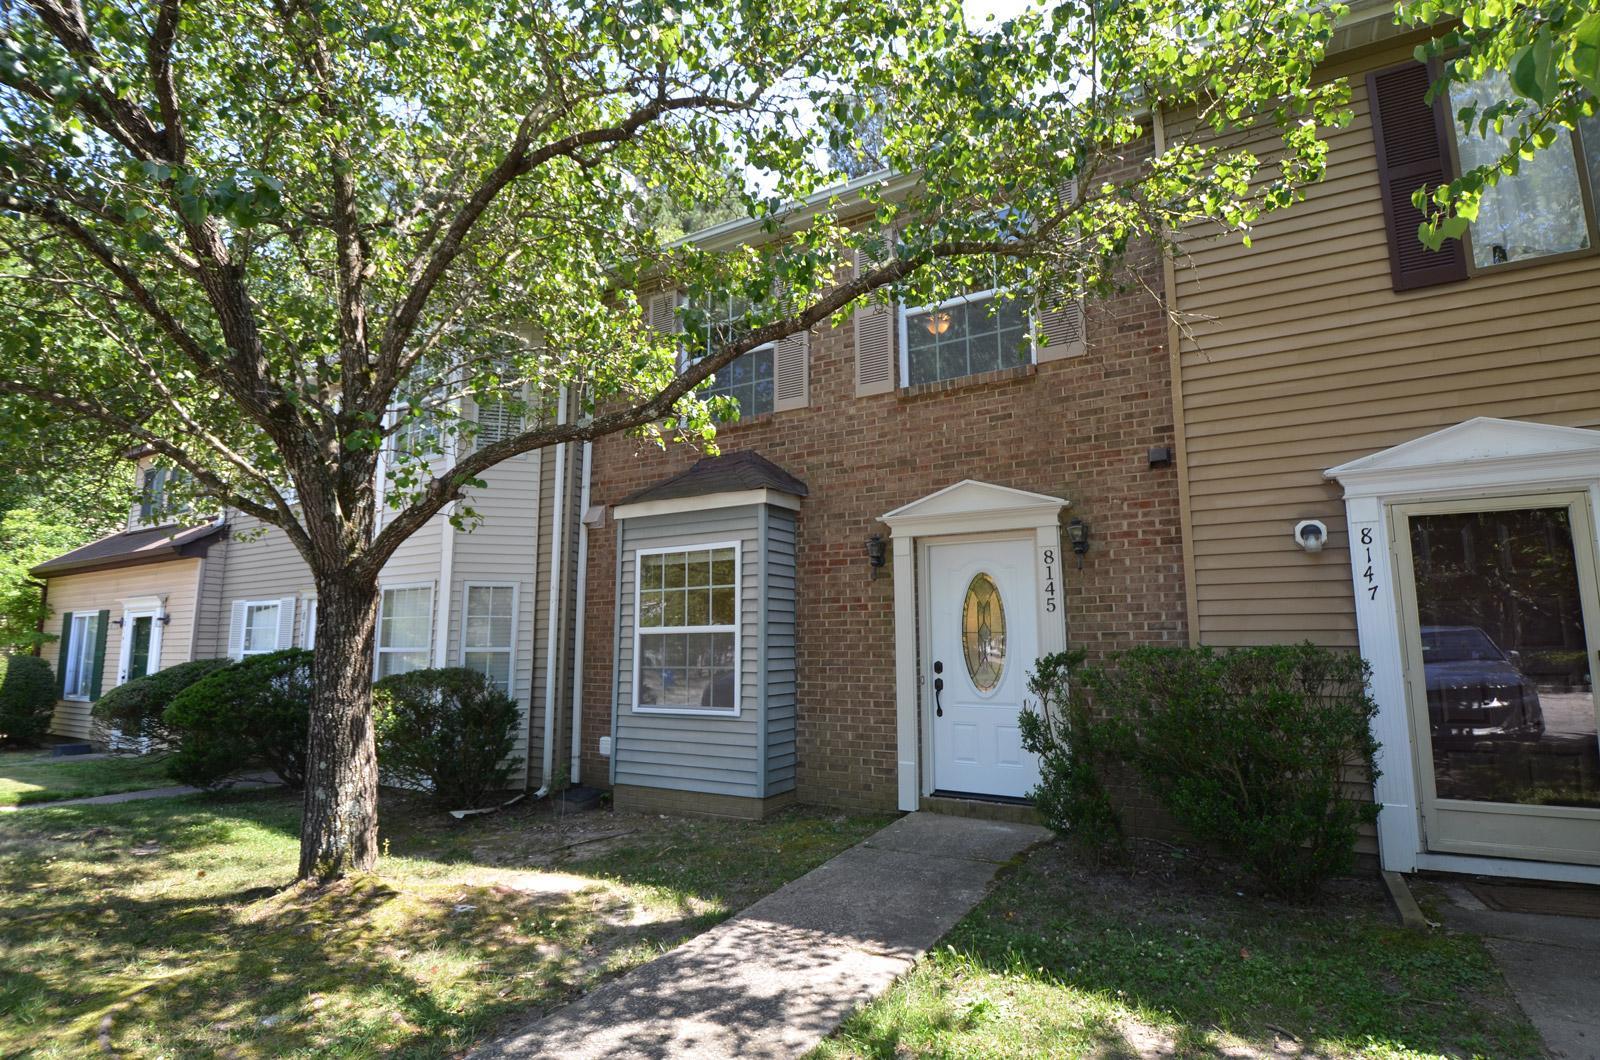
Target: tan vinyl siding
{"x":1297,"y":355}
{"x":261,"y":564}
{"x":107,"y":590}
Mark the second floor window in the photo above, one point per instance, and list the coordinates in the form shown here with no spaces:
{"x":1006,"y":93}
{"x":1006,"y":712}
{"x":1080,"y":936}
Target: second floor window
{"x":748,"y":379}
{"x":963,"y":336}
{"x":1547,"y":207}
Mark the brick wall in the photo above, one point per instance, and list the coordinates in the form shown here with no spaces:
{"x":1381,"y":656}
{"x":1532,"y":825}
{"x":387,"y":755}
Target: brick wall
{"x":1078,"y":429}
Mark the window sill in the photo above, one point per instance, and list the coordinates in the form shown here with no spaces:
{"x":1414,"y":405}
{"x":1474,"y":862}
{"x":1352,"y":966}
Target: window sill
{"x":687,"y":712}
{"x":945,"y":386}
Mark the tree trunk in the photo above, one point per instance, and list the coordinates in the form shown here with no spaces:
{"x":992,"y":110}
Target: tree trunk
{"x":339,"y":831}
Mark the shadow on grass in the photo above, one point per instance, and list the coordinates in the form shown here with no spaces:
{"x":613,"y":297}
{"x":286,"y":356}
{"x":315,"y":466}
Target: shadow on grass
{"x":177,"y":919}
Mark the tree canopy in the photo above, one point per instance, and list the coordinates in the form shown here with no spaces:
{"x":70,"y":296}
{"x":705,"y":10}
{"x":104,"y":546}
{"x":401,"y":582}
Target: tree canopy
{"x":294,"y":234}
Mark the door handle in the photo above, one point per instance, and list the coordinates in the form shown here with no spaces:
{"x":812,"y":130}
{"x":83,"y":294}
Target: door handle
{"x":938,"y":707}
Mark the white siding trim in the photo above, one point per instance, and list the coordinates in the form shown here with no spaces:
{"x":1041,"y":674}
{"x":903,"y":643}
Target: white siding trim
{"x":679,"y":505}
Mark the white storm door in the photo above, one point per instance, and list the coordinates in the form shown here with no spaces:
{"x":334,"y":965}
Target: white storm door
{"x":982,"y":638}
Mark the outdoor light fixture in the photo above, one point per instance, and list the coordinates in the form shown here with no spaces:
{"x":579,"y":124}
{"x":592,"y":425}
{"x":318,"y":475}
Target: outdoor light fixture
{"x":1311,"y":534}
{"x":1078,"y":534}
{"x":877,"y":552}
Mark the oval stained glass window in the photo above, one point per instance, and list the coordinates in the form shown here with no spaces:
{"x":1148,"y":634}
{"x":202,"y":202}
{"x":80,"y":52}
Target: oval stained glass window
{"x":983,"y":632}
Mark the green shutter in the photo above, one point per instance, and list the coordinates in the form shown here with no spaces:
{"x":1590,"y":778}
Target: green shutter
{"x":99,"y":655}
{"x":61,"y":659}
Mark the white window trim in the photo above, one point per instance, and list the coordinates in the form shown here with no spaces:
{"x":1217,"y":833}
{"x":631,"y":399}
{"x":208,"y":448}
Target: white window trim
{"x":78,"y":643}
{"x":308,"y":630}
{"x":511,"y":649}
{"x":377,"y":633}
{"x":125,"y":654}
{"x":905,"y":312}
{"x":736,"y":630}
{"x":244,"y":633}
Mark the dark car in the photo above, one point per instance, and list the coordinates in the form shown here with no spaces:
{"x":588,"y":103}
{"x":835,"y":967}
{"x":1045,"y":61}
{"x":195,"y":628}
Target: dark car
{"x":1476,"y":694}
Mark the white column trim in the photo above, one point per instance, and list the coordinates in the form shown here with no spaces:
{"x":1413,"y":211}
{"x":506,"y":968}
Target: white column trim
{"x":905,"y":669}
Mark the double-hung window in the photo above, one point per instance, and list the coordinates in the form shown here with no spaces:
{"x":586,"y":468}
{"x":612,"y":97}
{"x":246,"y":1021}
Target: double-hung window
{"x":748,"y":379}
{"x":687,"y":640}
{"x":488,"y":632}
{"x":79,"y":671}
{"x":405,"y":626}
{"x":964,"y":336}
{"x":1548,"y":206}
{"x":260,"y":628}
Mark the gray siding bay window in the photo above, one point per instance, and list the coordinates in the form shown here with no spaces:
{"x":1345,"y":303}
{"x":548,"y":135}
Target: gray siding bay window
{"x":704,"y":710}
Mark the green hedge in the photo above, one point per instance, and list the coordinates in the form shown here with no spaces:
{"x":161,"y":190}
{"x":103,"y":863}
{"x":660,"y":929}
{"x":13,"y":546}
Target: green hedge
{"x":450,"y":730}
{"x":254,"y":711}
{"x":137,"y":707}
{"x":1251,"y":751}
{"x":27,"y":698}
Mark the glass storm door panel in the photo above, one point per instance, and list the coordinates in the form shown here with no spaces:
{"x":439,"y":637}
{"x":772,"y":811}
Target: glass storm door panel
{"x":139,"y":661}
{"x":982,"y":639}
{"x":1503,"y":703}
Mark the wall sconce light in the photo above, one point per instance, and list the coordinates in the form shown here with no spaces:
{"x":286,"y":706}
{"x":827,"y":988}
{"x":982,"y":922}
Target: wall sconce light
{"x":1311,"y":534}
{"x":1078,"y":534}
{"x":877,"y":552}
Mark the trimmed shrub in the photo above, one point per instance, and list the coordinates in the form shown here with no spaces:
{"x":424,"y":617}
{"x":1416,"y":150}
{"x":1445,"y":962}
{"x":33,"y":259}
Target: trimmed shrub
{"x":27,"y":698}
{"x":257,"y":710}
{"x":1060,"y":730}
{"x":449,"y":729}
{"x":136,"y":708}
{"x":1252,"y":751}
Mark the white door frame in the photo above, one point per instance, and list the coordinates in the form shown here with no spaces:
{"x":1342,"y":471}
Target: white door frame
{"x":152,"y":608}
{"x":965,"y":508}
{"x":1481,"y":457}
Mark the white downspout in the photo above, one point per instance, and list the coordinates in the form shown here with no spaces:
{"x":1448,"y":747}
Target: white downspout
{"x":447,"y":555}
{"x":552,"y":666}
{"x":580,"y":591}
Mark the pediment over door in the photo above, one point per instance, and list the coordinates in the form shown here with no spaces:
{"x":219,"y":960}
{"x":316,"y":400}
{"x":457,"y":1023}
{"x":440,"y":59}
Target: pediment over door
{"x":1481,"y":452}
{"x":970,"y":506}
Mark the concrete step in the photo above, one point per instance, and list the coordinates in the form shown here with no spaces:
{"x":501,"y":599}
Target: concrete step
{"x":982,"y":809}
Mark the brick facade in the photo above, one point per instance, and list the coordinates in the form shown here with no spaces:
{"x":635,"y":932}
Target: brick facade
{"x":1078,"y":428}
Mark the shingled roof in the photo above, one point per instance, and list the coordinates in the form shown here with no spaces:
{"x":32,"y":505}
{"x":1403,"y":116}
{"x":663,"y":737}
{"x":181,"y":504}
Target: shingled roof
{"x":728,"y":473}
{"x":153,"y":544}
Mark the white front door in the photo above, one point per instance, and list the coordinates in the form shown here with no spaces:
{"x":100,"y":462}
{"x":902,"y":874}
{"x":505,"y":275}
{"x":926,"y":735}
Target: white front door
{"x":982,"y":639}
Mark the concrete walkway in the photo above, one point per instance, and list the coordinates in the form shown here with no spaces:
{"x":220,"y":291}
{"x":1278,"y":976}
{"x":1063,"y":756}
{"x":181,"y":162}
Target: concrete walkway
{"x":245,"y":783}
{"x":1551,"y":963}
{"x":777,"y":978}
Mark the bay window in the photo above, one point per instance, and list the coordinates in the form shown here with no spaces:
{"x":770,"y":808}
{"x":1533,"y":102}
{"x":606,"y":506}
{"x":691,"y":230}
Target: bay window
{"x":687,"y":641}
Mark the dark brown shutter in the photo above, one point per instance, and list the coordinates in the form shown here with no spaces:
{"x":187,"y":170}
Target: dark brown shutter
{"x":1413,"y":150}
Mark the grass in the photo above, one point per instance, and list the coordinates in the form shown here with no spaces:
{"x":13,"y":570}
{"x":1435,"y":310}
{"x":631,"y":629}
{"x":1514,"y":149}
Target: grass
{"x":1168,"y":958}
{"x":28,"y":777}
{"x":170,"y":927}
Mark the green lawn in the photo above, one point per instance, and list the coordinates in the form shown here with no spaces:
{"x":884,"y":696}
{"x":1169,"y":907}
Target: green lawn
{"x":31,"y":776}
{"x":169,"y":927}
{"x":1168,"y":959}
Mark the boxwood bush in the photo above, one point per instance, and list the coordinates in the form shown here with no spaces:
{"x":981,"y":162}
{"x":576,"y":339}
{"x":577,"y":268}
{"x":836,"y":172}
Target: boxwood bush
{"x":27,"y":698}
{"x":1262,"y":753}
{"x":136,"y":707}
{"x":255,"y":711}
{"x":448,"y":729}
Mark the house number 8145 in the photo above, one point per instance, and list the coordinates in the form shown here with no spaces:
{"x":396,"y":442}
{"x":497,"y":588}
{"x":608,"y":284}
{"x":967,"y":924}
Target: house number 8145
{"x":1049,"y":556}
